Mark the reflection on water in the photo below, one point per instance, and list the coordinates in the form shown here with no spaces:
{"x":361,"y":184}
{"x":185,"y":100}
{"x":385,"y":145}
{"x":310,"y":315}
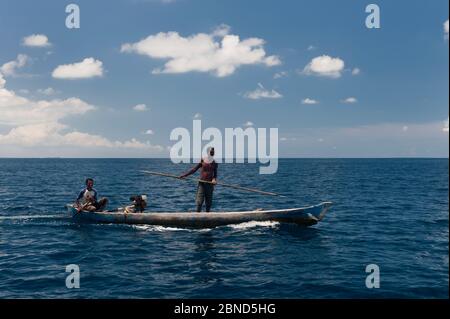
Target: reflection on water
{"x":302,"y":233}
{"x":204,"y":256}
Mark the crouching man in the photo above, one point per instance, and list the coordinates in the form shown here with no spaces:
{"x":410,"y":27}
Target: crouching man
{"x":139,"y":203}
{"x":87,"y":199}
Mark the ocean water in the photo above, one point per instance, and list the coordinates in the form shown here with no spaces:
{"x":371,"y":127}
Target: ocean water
{"x":390,"y":212}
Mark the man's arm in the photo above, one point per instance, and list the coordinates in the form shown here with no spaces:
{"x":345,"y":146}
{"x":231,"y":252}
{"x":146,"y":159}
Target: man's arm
{"x":214,"y":179}
{"x":192,"y":171}
{"x":80,"y":196}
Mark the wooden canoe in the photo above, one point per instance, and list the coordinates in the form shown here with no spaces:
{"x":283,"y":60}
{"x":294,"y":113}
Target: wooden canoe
{"x":303,"y":216}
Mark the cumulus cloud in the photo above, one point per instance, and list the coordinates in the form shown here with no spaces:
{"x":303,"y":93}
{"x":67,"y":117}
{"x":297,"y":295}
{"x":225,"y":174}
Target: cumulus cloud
{"x":17,"y":111}
{"x":219,"y":52}
{"x":48,"y":91}
{"x":197,"y":116}
{"x":221,"y":31}
{"x":54,"y":135}
{"x":10,"y":68}
{"x":309,"y":101}
{"x":149,"y":132}
{"x":36,"y":40}
{"x":349,"y":100}
{"x":2,"y":81}
{"x":288,"y":139}
{"x":446,"y":29}
{"x":356,"y":71}
{"x":87,"y":68}
{"x":280,"y":75}
{"x":262,"y":93}
{"x":39,"y":123}
{"x":140,"y":108}
{"x":325,"y":66}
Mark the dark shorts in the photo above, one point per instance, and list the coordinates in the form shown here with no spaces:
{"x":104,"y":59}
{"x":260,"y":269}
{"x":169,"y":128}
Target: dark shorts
{"x":101,"y":204}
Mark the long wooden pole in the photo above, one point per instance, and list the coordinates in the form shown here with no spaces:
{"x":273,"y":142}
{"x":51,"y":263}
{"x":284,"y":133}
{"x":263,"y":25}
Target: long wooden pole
{"x":218,"y":183}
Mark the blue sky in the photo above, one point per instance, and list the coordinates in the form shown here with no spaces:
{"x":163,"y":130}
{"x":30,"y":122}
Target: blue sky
{"x":388,"y":99}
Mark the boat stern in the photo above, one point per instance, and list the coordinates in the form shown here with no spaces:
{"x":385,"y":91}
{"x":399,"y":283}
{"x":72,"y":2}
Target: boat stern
{"x":71,"y":209}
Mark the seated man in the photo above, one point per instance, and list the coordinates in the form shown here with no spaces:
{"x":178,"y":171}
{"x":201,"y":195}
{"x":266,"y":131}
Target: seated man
{"x":138,"y":206}
{"x":87,"y":199}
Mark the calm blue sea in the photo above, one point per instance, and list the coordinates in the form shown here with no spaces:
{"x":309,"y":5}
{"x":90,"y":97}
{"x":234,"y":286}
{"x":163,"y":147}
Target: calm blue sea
{"x":390,"y":212}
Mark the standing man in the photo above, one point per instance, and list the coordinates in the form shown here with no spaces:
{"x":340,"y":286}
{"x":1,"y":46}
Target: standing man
{"x":208,"y":173}
{"x":87,"y":198}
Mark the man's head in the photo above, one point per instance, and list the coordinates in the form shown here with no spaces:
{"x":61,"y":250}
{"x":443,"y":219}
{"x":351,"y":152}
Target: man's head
{"x":89,"y":183}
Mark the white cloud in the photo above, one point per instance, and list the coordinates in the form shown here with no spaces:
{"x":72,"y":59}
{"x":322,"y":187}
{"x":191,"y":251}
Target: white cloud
{"x":405,"y":128}
{"x":197,"y":116}
{"x":445,"y":128}
{"x":36,"y":40}
{"x":140,"y":108}
{"x":262,"y":93}
{"x":2,"y":81}
{"x":10,"y":68}
{"x":288,"y":139}
{"x":309,"y":101}
{"x":311,"y":48}
{"x":47,"y":91}
{"x":356,"y":71}
{"x":446,"y":29}
{"x":87,"y":68}
{"x":38,"y":123}
{"x":325,"y":66}
{"x":16,"y":110}
{"x":221,"y":31}
{"x":248,"y":124}
{"x":149,"y":132}
{"x":280,"y":75}
{"x":349,"y":100}
{"x":134,"y":143}
{"x":54,"y":135}
{"x":219,"y":52}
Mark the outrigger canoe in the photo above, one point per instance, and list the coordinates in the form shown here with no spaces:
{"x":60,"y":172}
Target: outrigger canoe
{"x":302,"y":216}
